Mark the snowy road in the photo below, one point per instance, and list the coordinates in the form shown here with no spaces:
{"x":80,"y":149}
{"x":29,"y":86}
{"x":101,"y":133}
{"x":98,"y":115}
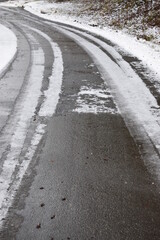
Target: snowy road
{"x":80,"y":148}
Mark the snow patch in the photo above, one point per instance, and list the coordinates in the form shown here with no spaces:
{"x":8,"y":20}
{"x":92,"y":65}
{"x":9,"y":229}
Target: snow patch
{"x":8,"y":47}
{"x":94,"y":101}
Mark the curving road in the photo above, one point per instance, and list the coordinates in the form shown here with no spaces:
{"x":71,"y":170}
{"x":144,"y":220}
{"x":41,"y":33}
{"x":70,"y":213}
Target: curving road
{"x":79,"y":137}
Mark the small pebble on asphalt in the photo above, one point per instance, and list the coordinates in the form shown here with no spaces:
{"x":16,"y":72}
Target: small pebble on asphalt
{"x":38,"y":226}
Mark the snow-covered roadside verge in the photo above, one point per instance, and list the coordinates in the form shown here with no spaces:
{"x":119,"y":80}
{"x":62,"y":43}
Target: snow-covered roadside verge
{"x":8,"y":47}
{"x":147,"y":52}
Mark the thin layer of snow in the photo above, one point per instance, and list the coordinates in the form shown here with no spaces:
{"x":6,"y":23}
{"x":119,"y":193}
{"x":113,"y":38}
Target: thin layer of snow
{"x":52,"y":94}
{"x":95,"y":101}
{"x":8,"y":47}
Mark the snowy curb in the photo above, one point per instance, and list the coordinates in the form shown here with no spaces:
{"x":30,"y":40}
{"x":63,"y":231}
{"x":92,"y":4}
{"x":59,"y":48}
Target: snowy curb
{"x":8,"y":48}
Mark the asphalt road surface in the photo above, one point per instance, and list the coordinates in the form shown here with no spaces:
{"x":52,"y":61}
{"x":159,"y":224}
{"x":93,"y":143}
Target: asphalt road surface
{"x":72,"y":172}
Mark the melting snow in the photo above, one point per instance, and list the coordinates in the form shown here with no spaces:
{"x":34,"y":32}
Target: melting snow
{"x":95,"y":101}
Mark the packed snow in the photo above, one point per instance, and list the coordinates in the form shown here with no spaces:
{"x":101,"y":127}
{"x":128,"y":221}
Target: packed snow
{"x":8,"y":47}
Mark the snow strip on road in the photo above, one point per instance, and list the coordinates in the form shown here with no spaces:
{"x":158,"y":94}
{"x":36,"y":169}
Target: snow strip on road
{"x":55,"y":80}
{"x":55,"y":83}
{"x":8,"y":48}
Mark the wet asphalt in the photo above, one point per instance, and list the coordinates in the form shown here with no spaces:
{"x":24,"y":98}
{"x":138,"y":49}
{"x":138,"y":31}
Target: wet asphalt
{"x":87,"y":179}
